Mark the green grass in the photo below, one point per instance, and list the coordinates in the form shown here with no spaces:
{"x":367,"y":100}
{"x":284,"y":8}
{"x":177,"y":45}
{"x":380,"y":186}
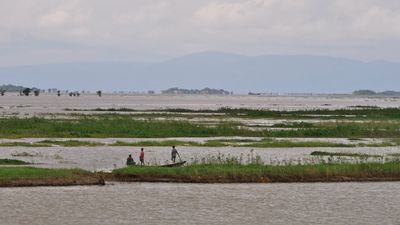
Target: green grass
{"x":32,"y":172}
{"x":30,"y":176}
{"x":112,"y":126}
{"x":12,"y":162}
{"x":359,"y":112}
{"x":346,"y":154}
{"x":385,"y":125}
{"x":260,"y":173}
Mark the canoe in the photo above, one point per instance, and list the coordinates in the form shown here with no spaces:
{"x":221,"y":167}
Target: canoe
{"x":174,"y":164}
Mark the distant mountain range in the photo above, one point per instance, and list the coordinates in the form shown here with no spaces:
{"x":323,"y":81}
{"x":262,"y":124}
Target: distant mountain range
{"x":241,"y":74}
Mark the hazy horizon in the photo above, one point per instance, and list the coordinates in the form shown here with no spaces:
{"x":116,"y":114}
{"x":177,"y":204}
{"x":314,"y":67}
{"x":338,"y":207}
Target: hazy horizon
{"x":46,"y":31}
{"x":259,"y":45}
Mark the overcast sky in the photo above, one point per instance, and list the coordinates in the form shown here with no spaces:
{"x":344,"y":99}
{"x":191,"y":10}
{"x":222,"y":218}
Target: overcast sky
{"x":46,"y":31}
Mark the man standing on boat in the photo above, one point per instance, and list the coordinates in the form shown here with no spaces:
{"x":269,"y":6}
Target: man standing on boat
{"x":141,"y":157}
{"x":174,"y":152}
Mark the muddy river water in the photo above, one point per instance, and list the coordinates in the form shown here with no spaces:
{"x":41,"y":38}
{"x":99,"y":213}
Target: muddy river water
{"x":160,"y":203}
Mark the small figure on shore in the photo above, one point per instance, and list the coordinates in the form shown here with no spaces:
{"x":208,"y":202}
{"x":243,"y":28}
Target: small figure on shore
{"x":174,"y":153}
{"x":141,"y":157}
{"x":130,"y":161}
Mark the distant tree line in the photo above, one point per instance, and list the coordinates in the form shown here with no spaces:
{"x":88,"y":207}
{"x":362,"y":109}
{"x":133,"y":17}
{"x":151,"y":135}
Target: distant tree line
{"x":11,"y":88}
{"x":206,"y":91}
{"x":370,"y":92}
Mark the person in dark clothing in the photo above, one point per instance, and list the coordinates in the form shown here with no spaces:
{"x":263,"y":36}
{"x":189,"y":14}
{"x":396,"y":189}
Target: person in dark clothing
{"x":174,"y":153}
{"x":130,"y":161}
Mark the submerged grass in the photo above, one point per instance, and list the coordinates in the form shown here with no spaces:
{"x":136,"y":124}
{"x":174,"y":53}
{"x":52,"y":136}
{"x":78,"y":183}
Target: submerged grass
{"x":359,"y":111}
{"x":346,"y":154}
{"x":12,"y":162}
{"x":270,"y":143}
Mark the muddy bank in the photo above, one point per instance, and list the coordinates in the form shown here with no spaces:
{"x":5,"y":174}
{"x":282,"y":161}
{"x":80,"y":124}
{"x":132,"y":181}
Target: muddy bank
{"x":207,"y":180}
{"x":51,"y":182}
{"x":30,"y":176}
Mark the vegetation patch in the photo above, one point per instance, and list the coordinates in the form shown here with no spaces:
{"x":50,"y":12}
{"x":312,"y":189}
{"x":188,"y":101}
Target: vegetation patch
{"x":378,"y":123}
{"x":25,"y":154}
{"x":12,"y":162}
{"x":223,"y":173}
{"x":30,"y":176}
{"x":346,"y":154}
{"x":270,"y":143}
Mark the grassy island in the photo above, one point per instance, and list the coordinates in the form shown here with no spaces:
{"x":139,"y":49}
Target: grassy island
{"x":30,"y":176}
{"x":261,"y":173}
{"x":204,"y":173}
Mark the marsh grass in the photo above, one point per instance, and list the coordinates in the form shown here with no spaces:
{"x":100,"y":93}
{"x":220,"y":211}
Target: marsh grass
{"x":113,"y":126}
{"x":33,"y":172}
{"x":271,"y":143}
{"x":25,"y":154}
{"x":12,"y":162}
{"x":261,"y":173}
{"x":385,"y":124}
{"x":346,"y":154}
{"x":264,"y":143}
{"x":30,"y":176}
{"x":359,"y":112}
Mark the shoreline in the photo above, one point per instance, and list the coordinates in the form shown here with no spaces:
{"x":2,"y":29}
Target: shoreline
{"x":261,"y":181}
{"x":51,"y":182}
{"x":101,"y":182}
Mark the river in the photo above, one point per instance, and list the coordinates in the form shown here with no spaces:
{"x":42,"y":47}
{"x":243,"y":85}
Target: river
{"x":164,"y":203}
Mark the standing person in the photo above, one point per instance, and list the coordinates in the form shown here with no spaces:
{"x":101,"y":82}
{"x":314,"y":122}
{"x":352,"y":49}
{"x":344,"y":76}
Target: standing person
{"x":174,"y":152}
{"x":141,"y":157}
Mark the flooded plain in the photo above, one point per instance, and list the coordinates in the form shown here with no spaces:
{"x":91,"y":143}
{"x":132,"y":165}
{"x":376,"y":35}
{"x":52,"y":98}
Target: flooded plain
{"x":12,"y":104}
{"x":163,"y":203}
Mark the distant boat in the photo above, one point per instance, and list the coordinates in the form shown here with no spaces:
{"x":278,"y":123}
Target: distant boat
{"x":174,"y":164}
{"x":166,"y":165}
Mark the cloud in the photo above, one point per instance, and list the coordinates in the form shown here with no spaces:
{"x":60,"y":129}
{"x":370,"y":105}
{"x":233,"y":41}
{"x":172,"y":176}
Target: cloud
{"x":157,"y":29}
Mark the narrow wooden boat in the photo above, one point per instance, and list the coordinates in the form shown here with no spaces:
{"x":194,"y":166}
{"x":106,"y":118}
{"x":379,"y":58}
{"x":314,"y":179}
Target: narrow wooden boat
{"x":174,"y":164}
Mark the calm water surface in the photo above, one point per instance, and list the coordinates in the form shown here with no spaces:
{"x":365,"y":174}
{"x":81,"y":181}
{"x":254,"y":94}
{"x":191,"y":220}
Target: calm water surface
{"x":158,"y":203}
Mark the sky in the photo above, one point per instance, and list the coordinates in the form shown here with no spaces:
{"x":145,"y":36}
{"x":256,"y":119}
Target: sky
{"x":49,"y":31}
